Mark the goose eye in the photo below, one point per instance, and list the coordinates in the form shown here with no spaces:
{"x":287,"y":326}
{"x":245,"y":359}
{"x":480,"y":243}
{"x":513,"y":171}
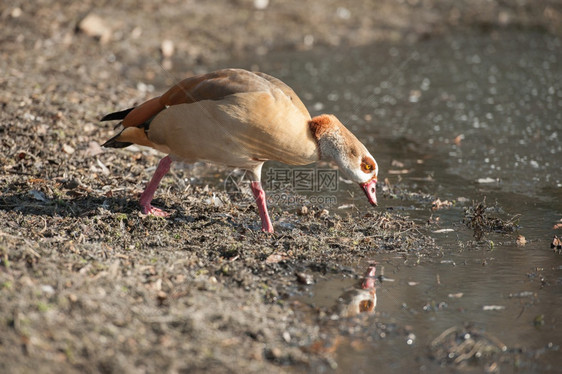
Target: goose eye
{"x":366,"y":167}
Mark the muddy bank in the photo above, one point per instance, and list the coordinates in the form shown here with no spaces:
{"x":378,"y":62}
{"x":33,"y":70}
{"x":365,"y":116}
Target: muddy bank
{"x":89,"y":284}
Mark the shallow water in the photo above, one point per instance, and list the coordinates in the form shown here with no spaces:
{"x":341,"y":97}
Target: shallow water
{"x":466,"y":116}
{"x":460,"y":118}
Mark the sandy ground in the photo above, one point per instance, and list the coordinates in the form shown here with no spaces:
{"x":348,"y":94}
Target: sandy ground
{"x":87,"y":283}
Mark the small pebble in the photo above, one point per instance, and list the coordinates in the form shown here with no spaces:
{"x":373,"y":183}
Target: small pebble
{"x":261,"y":4}
{"x":304,"y":278}
{"x":96,"y":27}
{"x":167,"y":48}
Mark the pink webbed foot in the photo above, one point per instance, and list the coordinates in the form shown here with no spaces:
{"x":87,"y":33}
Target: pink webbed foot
{"x":153,"y":211}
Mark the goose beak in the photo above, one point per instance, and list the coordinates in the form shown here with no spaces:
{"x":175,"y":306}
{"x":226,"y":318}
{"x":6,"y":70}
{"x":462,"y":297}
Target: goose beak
{"x":370,"y":190}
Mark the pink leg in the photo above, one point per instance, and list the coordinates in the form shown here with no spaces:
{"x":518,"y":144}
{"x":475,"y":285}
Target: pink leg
{"x":148,"y":194}
{"x":259,"y":195}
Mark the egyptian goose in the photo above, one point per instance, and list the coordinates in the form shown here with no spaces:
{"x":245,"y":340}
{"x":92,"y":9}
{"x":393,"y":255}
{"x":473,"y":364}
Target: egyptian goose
{"x":241,"y":119}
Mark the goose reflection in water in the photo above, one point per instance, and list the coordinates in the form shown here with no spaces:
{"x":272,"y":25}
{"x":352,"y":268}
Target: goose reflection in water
{"x":361,"y":299}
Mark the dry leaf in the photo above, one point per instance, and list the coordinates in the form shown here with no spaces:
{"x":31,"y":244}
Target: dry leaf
{"x":398,"y":172}
{"x":38,"y":195}
{"x":458,"y":140}
{"x":493,"y":307}
{"x":276,"y":258}
{"x":486,"y":180}
{"x":438,"y":204}
{"x":93,"y":149}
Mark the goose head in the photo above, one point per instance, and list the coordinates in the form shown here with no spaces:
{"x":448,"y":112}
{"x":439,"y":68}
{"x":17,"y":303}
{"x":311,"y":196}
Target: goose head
{"x":336,"y":143}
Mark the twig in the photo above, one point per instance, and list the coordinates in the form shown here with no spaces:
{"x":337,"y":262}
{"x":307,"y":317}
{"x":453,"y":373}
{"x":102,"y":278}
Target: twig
{"x":442,"y":336}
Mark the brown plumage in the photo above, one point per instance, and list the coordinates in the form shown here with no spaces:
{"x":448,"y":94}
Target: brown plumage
{"x":241,"y":119}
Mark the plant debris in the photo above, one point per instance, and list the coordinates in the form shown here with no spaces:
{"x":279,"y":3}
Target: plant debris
{"x":86,"y":278}
{"x":457,"y":345}
{"x":478,"y":217}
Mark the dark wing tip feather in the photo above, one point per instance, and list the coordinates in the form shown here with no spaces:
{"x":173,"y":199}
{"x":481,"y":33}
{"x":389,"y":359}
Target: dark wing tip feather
{"x":114,"y":143}
{"x":116,"y":115}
